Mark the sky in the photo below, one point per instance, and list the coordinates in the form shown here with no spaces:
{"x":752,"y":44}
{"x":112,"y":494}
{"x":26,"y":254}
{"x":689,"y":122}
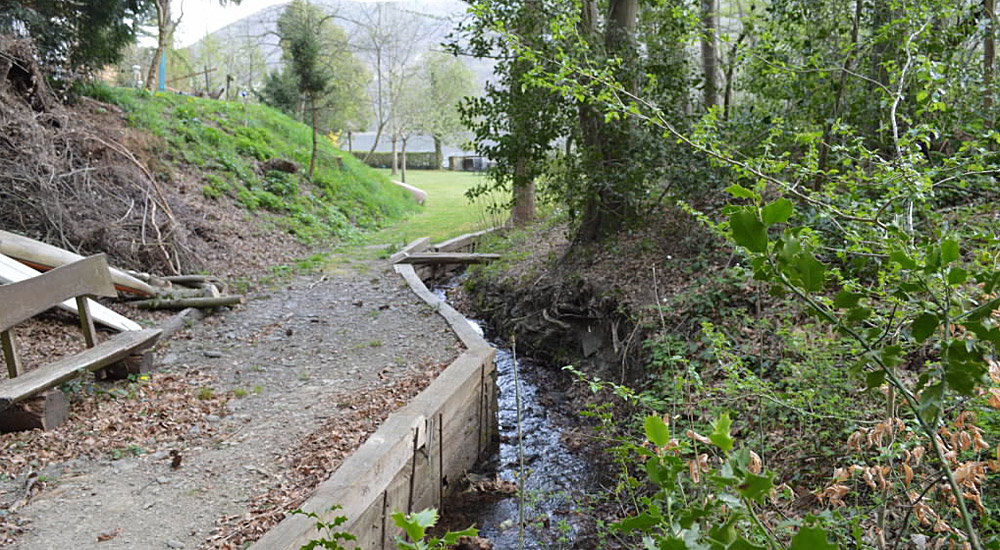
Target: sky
{"x":204,"y":16}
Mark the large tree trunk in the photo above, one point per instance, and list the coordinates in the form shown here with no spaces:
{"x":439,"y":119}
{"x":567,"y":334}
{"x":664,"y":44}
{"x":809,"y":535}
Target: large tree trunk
{"x":606,"y":143}
{"x":838,"y":101}
{"x":165,"y":29}
{"x":438,"y":153}
{"x":709,"y":55}
{"x":523,"y":211}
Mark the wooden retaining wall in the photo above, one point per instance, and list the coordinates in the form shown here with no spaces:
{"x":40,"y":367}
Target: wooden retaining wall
{"x":418,"y":455}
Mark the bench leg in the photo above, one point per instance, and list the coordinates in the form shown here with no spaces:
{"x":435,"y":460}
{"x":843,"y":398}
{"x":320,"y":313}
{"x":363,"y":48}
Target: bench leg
{"x":46,"y":410}
{"x":135,"y":364}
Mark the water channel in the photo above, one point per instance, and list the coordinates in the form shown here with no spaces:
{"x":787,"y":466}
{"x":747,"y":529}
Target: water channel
{"x":553,"y":479}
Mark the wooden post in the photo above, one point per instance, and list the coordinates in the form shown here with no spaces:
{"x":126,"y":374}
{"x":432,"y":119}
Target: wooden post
{"x":10,"y":353}
{"x":86,"y":321}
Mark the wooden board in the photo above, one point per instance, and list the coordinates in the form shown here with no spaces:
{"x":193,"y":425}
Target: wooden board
{"x":44,"y":257}
{"x":12,"y":271}
{"x":111,"y":351}
{"x":443,"y":258}
{"x":25,"y":299}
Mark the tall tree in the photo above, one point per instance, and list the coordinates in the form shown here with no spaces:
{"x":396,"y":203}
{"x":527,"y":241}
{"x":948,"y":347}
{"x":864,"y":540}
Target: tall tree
{"x":75,"y":37}
{"x":166,"y":25}
{"x":709,"y":52}
{"x":447,"y":81}
{"x":299,"y":27}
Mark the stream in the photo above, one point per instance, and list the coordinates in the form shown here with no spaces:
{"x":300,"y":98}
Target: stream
{"x":555,"y":479}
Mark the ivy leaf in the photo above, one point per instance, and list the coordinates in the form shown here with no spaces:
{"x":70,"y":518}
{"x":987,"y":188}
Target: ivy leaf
{"x":902,"y":259}
{"x":657,"y":431}
{"x":720,"y":432}
{"x":957,"y":276}
{"x":874,"y":379}
{"x":846,"y":299}
{"x":743,"y":544}
{"x":754,"y":487}
{"x":778,"y":211}
{"x":748,"y":231}
{"x":949,"y":251}
{"x":930,"y":404}
{"x":642,"y":522}
{"x":813,"y":272}
{"x":924,"y":326}
{"x":811,"y":538}
{"x":741,"y":192}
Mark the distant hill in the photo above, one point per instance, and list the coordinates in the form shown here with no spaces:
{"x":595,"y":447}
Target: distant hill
{"x":441,"y":16}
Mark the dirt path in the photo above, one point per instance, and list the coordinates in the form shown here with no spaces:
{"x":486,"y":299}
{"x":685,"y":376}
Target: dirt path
{"x":245,"y":413}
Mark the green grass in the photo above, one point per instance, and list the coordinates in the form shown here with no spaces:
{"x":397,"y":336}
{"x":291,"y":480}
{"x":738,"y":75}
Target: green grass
{"x":224,"y":142}
{"x":445,"y":214}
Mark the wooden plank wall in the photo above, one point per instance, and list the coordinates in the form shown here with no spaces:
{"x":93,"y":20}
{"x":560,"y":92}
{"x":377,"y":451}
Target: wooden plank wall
{"x":418,"y":455}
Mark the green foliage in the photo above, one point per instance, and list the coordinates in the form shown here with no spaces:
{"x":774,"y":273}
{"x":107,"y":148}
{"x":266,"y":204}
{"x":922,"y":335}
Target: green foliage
{"x":228,"y":140}
{"x":416,"y":525}
{"x":700,"y":502}
{"x":332,"y":537}
{"x":75,"y":38}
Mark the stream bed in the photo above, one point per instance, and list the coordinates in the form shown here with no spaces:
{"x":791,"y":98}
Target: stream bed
{"x":554,"y":480}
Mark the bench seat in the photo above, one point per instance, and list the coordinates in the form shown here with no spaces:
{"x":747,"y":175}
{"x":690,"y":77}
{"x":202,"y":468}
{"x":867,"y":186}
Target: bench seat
{"x":118,"y":347}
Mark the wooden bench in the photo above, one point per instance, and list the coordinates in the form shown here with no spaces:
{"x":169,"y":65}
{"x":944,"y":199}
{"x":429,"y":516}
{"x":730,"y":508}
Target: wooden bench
{"x":27,"y":399}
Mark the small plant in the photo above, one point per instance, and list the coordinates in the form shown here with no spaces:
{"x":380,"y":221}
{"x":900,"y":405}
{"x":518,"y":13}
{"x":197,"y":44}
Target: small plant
{"x":331,"y":536}
{"x":240,"y":392}
{"x":257,"y":390}
{"x":416,"y":526}
{"x":206,"y":393}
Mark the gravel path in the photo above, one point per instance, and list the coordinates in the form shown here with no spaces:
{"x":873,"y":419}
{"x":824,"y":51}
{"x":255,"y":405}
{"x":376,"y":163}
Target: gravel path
{"x":267,"y":400}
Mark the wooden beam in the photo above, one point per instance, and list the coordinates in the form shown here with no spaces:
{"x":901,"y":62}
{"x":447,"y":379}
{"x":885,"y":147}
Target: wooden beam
{"x":86,"y":321}
{"x":111,"y":351}
{"x":441,"y":258}
{"x":10,"y":355}
{"x":25,"y":299}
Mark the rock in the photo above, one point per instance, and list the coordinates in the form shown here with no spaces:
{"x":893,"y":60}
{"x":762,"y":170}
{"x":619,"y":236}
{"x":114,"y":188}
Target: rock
{"x":212,"y":354}
{"x":212,"y":418}
{"x":171,"y":543}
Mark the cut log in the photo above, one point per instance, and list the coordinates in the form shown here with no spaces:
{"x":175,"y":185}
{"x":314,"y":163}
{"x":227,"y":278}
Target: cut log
{"x":448,"y":258}
{"x":183,"y":303}
{"x":43,"y":411}
{"x":44,"y":257}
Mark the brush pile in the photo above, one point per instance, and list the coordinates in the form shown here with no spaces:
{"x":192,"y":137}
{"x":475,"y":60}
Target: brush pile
{"x":68,"y":180}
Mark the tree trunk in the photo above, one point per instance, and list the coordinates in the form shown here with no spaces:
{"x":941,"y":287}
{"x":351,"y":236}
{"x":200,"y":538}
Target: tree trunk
{"x":395,"y":157}
{"x":709,"y":56}
{"x":403,"y":166}
{"x":524,"y":195}
{"x":312,"y":159}
{"x":989,"y":53}
{"x":165,"y":30}
{"x":378,"y":136}
{"x":438,"y":153}
{"x":824,"y":153}
{"x":606,"y":143}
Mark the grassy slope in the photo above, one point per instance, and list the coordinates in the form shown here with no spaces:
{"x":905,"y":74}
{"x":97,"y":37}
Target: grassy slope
{"x":446,"y":213}
{"x":223,"y":142}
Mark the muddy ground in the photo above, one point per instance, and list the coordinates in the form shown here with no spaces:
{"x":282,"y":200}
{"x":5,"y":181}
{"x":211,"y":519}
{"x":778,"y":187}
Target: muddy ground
{"x":247,"y":411}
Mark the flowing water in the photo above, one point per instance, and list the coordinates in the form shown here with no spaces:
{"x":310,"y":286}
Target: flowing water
{"x":553,"y":479}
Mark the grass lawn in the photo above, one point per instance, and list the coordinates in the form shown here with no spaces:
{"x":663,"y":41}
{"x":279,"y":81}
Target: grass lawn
{"x":446,"y":213}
